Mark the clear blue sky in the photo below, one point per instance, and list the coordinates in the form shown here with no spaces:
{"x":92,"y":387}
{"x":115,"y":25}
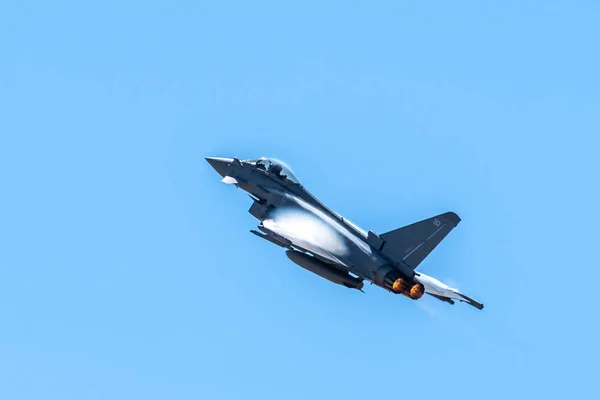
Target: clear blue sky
{"x":127,"y":270}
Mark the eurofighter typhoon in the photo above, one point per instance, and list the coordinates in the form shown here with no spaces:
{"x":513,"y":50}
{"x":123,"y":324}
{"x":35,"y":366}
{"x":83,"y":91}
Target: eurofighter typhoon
{"x":323,"y":242}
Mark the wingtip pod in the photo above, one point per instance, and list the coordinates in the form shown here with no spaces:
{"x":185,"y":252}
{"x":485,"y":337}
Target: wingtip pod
{"x":471,"y":302}
{"x":475,"y":304}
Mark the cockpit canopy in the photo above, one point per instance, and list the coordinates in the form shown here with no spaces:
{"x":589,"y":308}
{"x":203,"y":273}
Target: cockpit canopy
{"x":275,"y":167}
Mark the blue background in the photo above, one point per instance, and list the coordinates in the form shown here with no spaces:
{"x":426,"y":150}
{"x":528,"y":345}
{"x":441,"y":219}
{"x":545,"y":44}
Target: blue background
{"x":127,"y":270}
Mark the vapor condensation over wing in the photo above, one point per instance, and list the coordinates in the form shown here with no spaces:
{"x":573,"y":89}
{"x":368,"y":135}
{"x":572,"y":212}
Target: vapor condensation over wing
{"x":315,"y":231}
{"x":330,"y":221}
{"x":308,"y":232}
{"x":300,"y":225}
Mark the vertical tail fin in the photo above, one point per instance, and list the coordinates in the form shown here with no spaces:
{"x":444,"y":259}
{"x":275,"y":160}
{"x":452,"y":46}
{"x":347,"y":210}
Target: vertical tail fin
{"x":412,"y":243}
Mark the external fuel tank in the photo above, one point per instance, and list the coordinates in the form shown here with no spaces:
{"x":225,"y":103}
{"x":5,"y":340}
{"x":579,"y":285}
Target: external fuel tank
{"x":324,"y":270}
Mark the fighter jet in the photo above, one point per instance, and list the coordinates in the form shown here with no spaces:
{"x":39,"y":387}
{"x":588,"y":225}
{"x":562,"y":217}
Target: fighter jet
{"x":323,"y":242}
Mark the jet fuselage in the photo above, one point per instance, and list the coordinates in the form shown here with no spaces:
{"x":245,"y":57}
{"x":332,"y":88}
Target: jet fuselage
{"x":387,"y":261}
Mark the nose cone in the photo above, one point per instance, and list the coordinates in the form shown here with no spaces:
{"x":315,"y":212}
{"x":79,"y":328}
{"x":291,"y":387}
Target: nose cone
{"x":220,"y":164}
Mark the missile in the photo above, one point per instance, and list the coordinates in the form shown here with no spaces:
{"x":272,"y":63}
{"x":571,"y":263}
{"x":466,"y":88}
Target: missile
{"x":324,"y":270}
{"x":274,"y":235}
{"x":270,"y":239}
{"x":442,"y":298}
